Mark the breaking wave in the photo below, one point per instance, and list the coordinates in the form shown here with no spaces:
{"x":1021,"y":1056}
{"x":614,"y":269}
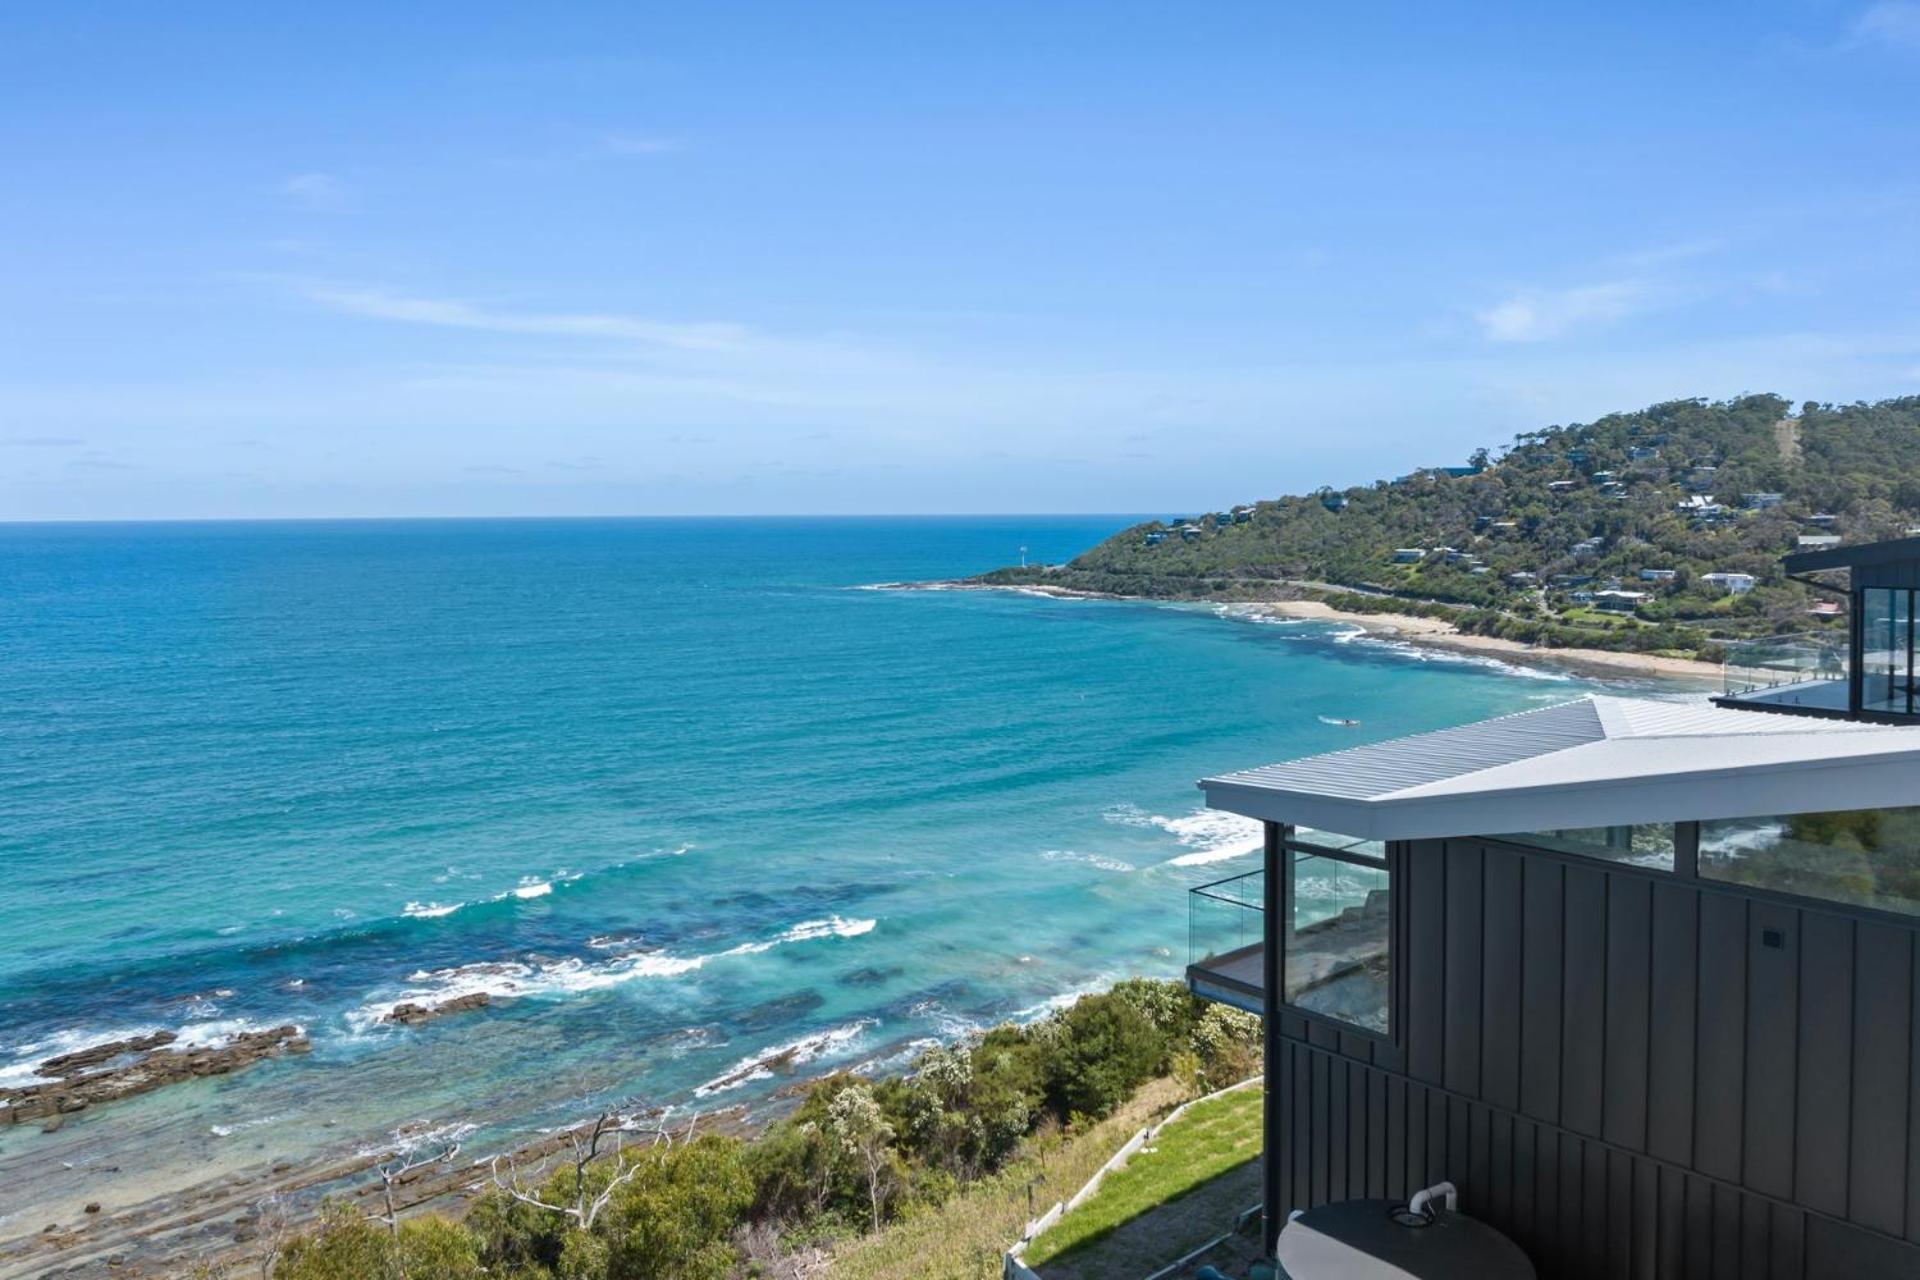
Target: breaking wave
{"x":1208,"y":835}
{"x":783,"y":1058}
{"x":516,"y":979}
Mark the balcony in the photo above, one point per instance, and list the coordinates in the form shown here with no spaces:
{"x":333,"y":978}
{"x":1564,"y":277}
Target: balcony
{"x":1226,"y":931}
{"x":1804,"y":673}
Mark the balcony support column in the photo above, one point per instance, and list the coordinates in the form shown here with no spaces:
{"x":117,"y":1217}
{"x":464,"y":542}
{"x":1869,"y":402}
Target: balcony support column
{"x":1273,"y":1108}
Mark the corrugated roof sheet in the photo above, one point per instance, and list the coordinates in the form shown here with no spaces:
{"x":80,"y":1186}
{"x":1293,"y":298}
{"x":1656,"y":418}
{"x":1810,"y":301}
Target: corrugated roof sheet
{"x":1592,"y":762}
{"x":1382,"y":768}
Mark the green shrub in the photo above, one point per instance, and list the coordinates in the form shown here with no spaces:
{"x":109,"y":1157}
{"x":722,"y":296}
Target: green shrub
{"x":1104,"y":1049}
{"x":350,"y":1246}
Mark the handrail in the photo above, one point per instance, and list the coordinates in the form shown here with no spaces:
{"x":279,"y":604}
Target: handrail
{"x":1258,"y":902}
{"x":1756,"y":662}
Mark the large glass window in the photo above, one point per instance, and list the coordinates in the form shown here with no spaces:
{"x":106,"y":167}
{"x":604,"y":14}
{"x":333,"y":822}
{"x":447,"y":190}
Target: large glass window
{"x":1642,"y":845}
{"x":1868,"y":857}
{"x":1337,"y":933}
{"x":1334,"y":842}
{"x":1886,"y":622}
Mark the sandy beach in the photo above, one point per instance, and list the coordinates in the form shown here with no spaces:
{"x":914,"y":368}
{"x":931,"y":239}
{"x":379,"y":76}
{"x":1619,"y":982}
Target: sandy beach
{"x":1438,"y":633}
{"x":1435,"y":633}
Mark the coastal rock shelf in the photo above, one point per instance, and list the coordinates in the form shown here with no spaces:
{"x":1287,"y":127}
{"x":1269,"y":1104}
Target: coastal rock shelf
{"x":411,"y":1014}
{"x":124,"y":1068}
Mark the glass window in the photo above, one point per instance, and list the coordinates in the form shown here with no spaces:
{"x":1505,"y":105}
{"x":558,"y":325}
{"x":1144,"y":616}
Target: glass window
{"x":1643,"y":845}
{"x":1886,"y":616}
{"x":1336,"y":941}
{"x":1868,"y":857}
{"x":1334,"y":842}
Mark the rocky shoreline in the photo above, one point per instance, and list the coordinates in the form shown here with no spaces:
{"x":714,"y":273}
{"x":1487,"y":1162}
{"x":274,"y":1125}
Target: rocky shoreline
{"x":239,"y":1219}
{"x":125,"y":1068}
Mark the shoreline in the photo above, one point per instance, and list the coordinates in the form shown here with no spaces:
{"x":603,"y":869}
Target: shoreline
{"x":1415,"y":629}
{"x":1437,"y":633}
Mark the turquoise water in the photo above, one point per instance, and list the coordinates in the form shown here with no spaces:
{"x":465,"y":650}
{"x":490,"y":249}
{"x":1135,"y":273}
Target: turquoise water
{"x":686,"y":792}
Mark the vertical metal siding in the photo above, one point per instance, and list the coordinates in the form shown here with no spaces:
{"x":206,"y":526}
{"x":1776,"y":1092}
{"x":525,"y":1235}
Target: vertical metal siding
{"x":1627,"y":1074}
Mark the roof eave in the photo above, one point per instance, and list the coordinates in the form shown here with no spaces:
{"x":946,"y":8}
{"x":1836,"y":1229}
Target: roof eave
{"x":1750,"y":792}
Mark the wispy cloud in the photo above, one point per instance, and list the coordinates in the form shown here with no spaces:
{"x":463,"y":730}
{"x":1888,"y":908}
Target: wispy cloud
{"x":321,"y":192}
{"x":1537,"y":315}
{"x":629,"y":144}
{"x":379,"y":303}
{"x":1894,"y":24}
{"x":42,"y":442}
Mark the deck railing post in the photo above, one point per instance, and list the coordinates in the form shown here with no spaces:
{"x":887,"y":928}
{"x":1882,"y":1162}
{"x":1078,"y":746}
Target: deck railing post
{"x":1273,"y":1106}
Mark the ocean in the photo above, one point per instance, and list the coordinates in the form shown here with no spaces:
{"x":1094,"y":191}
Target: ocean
{"x":682,"y":795}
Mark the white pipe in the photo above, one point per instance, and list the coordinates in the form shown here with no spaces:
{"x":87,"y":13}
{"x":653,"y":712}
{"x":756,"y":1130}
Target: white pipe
{"x":1445,"y":1190}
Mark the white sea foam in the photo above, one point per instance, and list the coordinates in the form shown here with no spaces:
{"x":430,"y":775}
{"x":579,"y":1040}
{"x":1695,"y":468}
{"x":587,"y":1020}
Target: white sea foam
{"x":1063,"y":1000}
{"x":1208,"y":835}
{"x":888,"y":1063}
{"x":1100,"y":860}
{"x":951,"y":1025}
{"x":529,"y":888}
{"x":513,"y":979}
{"x":23,"y":1069}
{"x":27,"y":1057}
{"x":420,"y":1136}
{"x":228,"y":1130}
{"x":833,"y":1043}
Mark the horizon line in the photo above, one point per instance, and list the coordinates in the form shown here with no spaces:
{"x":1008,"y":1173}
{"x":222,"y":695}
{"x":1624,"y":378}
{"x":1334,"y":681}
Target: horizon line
{"x":448,"y":519}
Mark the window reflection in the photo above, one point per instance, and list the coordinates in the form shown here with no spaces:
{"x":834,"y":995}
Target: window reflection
{"x":1867,"y":857}
{"x":1642,"y":845}
{"x":1336,"y":944}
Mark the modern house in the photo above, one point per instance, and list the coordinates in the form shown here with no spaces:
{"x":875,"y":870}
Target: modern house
{"x":1659,"y":575}
{"x":1620,"y":601}
{"x":1409,"y":555}
{"x":1732,"y":583}
{"x":1641,"y":978}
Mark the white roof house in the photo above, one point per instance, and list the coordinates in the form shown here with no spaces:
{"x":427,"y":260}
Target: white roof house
{"x":1595,"y":762}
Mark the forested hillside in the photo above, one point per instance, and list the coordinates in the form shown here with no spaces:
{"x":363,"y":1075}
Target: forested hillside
{"x":1612,"y":533}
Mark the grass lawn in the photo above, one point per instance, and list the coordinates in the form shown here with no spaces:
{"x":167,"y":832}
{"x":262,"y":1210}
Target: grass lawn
{"x":964,"y":1238}
{"x":1211,"y":1139}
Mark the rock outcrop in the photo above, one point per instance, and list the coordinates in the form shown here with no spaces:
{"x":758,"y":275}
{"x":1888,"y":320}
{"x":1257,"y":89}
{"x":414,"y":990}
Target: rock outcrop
{"x":123,"y":1068}
{"x":410,"y":1014}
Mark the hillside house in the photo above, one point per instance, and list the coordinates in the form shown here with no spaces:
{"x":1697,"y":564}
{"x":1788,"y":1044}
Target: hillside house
{"x":1733,"y":583}
{"x":1659,"y":575}
{"x":1409,"y":555}
{"x":1762,"y":501}
{"x":1615,"y":600}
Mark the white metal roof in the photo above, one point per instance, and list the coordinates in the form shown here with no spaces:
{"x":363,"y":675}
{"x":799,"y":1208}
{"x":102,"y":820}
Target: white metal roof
{"x":1595,"y":762}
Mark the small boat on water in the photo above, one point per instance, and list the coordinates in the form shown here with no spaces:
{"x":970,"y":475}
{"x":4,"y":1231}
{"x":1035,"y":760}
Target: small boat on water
{"x":1344,"y":724}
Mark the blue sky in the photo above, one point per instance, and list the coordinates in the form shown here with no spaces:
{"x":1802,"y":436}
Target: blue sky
{"x":479,"y":259}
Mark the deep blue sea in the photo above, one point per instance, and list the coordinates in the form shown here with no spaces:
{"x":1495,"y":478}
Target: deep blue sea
{"x":680,"y":793}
